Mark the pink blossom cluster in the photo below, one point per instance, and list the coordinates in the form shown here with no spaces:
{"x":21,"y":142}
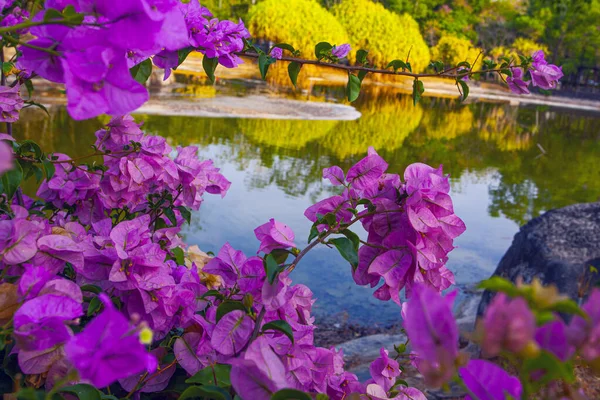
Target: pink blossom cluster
{"x":411,"y":225}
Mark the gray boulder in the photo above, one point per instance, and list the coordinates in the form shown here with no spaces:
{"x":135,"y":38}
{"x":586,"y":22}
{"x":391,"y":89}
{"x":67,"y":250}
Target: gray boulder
{"x":558,"y":247}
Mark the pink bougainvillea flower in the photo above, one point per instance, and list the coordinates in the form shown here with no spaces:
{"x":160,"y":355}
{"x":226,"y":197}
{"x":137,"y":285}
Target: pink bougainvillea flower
{"x":341,"y":51}
{"x":6,"y":157}
{"x":585,"y":334}
{"x":274,"y":235}
{"x":108,"y":349}
{"x":260,"y":373}
{"x":232,"y":332}
{"x":334,"y":174}
{"x":508,"y":324}
{"x":10,"y":103}
{"x":516,"y":83}
{"x":384,"y":370}
{"x":488,"y":381}
{"x":553,"y":338}
{"x":433,"y":333}
{"x":544,"y":75}
{"x":40,"y":322}
{"x":277,"y":53}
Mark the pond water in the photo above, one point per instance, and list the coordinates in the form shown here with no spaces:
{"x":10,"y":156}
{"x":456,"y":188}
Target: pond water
{"x":507,"y":165}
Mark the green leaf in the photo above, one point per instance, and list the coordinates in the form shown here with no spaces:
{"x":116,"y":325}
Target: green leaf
{"x":347,"y":250}
{"x":567,"y":306}
{"x":437,"y":65}
{"x":170,"y":214}
{"x":212,"y":293}
{"x":553,"y":369}
{"x":31,"y":394}
{"x":228,"y":306}
{"x":353,"y":88}
{"x":264,"y":62}
{"x":280,"y":255}
{"x":11,"y":180}
{"x":49,"y":169}
{"x":83,"y":391}
{"x":353,"y":237}
{"x":465,"y":89}
{"x":322,"y":49}
{"x":142,"y":71}
{"x":397,"y":64}
{"x":7,"y":67}
{"x":418,"y":90}
{"x":285,"y":46}
{"x":205,"y":392}
{"x":465,"y":64}
{"x":185,"y":214}
{"x":272,"y":268}
{"x":210,"y":65}
{"x":91,"y":288}
{"x":182,"y":54}
{"x":179,"y":255}
{"x":281,"y":326}
{"x":290,"y":394}
{"x":361,"y":56}
{"x":94,"y":306}
{"x":29,"y":86}
{"x":498,"y":284}
{"x":321,"y":396}
{"x":362,"y":74}
{"x":38,"y":105}
{"x":52,"y":14}
{"x":207,"y":376}
{"x":293,"y":71}
{"x":314,"y":232}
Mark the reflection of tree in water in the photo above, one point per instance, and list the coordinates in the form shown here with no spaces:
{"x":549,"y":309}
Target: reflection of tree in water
{"x":474,"y":138}
{"x":385,"y":124}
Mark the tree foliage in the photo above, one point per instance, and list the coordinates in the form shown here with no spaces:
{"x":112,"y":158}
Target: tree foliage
{"x":300,"y":23}
{"x":385,"y":34}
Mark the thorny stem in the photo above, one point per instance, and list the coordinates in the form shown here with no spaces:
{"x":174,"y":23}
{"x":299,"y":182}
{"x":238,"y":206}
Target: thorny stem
{"x":353,"y":68}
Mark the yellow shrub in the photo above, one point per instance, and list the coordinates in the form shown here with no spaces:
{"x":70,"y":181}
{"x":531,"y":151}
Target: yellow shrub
{"x":285,"y":133}
{"x":453,"y":50}
{"x":301,"y":23}
{"x":522,"y":46}
{"x":384,"y":124}
{"x":449,"y":124}
{"x":386,"y":35}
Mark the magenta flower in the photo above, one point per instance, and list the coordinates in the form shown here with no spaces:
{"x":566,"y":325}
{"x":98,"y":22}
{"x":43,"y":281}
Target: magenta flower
{"x":167,"y":60}
{"x":367,"y":171}
{"x":546,"y":76}
{"x":277,"y":53}
{"x":18,"y":239}
{"x":274,"y":235}
{"x":6,"y":156}
{"x":384,"y":370}
{"x":553,"y":338}
{"x":543,"y":74}
{"x":488,"y":381}
{"x":585,"y":334}
{"x":516,"y":83}
{"x":508,"y":324}
{"x":260,"y":373}
{"x":433,"y":333}
{"x":232,"y":332}
{"x":40,"y":322}
{"x":108,"y":349}
{"x":334,"y":174}
{"x":341,"y":51}
{"x":10,"y":103}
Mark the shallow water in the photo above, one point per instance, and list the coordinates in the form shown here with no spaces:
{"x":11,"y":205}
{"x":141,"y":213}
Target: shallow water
{"x":507,"y":165}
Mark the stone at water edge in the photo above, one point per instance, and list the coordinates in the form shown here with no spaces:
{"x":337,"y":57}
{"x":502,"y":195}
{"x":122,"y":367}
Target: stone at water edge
{"x":558,"y":247}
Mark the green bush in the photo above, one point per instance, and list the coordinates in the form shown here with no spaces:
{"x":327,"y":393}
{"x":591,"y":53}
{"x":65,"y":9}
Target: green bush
{"x":301,"y":23}
{"x":386,"y":35}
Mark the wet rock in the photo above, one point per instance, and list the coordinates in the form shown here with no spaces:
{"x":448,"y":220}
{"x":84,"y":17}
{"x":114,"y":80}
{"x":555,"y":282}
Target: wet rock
{"x":558,"y":247}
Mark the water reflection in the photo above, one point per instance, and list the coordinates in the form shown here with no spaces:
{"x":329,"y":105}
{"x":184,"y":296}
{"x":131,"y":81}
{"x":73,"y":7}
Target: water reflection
{"x":507,"y":165}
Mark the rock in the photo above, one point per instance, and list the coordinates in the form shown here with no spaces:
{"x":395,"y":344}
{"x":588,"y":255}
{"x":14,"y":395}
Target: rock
{"x":558,"y":247}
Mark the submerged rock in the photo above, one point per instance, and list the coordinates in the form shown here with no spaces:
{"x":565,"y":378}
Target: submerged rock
{"x":558,"y":247}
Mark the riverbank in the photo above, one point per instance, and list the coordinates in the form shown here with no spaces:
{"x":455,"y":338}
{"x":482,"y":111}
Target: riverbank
{"x":434,"y":87}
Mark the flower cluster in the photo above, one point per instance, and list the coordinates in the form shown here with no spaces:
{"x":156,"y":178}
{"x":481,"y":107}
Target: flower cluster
{"x":543,"y":75}
{"x":94,"y":65}
{"x":411,"y":225}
